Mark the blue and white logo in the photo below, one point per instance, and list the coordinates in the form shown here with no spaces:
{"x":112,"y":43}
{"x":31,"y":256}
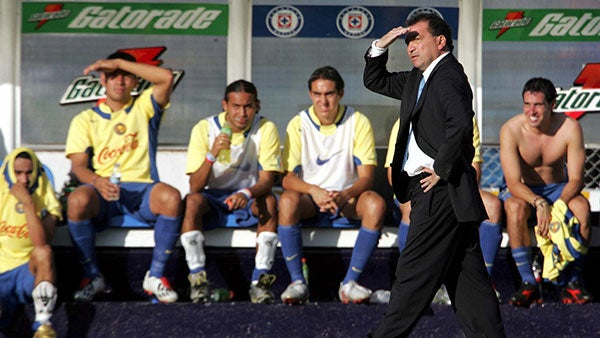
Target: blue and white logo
{"x":284,"y":21}
{"x":321,"y":161}
{"x":355,"y":22}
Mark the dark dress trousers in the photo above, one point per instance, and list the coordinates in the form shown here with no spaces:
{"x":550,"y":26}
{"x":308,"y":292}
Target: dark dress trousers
{"x":443,"y":240}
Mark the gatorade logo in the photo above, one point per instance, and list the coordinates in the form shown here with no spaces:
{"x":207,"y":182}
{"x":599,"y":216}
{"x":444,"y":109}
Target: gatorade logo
{"x":51,"y":12}
{"x":88,"y":88}
{"x":584,"y":96}
{"x":512,"y":19}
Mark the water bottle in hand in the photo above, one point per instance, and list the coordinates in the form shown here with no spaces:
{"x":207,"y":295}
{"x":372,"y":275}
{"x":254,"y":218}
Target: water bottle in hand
{"x":225,"y":154}
{"x":115,"y":177}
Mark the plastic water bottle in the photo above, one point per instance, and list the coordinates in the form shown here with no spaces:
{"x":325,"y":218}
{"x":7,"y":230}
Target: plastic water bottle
{"x":225,"y":154}
{"x":305,"y":270}
{"x":380,"y":297}
{"x":220,"y":295}
{"x":115,"y":177}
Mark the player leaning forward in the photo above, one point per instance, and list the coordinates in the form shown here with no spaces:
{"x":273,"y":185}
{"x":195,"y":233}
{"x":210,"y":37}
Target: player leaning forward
{"x":29,"y":213}
{"x":122,"y":130}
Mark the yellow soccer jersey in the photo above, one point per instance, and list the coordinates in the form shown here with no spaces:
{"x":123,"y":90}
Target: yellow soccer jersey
{"x":389,"y":157}
{"x":347,"y":122}
{"x":256,"y":148}
{"x":15,"y":244}
{"x":128,"y":136}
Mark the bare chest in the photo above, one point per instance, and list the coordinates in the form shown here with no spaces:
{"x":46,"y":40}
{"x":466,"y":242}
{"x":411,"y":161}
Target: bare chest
{"x":542,"y":150}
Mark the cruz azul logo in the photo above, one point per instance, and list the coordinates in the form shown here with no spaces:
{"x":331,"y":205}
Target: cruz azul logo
{"x":584,"y":96}
{"x":88,"y":88}
{"x":285,"y":21}
{"x":355,"y":22}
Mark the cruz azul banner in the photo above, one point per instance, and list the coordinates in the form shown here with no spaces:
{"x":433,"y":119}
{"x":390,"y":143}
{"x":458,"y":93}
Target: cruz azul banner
{"x":576,"y":25}
{"x":125,"y":18}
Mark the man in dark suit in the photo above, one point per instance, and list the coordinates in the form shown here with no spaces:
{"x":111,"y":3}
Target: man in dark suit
{"x":432,"y":169}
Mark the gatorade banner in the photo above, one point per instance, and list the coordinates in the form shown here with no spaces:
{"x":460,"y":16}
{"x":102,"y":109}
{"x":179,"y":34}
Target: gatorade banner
{"x":125,"y":18}
{"x":541,"y":25}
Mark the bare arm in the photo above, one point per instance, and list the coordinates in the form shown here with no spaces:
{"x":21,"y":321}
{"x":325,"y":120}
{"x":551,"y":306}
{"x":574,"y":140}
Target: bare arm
{"x":79,"y":167}
{"x":40,"y":232}
{"x":199,"y":178}
{"x":263,"y":186}
{"x":511,"y":165}
{"x":364,"y":182}
{"x":161,"y":78}
{"x":477,"y":167}
{"x":575,"y":162}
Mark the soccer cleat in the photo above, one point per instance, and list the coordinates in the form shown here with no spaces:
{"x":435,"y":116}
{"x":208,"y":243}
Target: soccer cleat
{"x":441,"y":296}
{"x":575,"y":293}
{"x":89,"y":287}
{"x":160,"y":288}
{"x":295,"y":293}
{"x":526,"y":295}
{"x":199,"y":287}
{"x":45,"y":331}
{"x":351,"y":292}
{"x":261,"y":291}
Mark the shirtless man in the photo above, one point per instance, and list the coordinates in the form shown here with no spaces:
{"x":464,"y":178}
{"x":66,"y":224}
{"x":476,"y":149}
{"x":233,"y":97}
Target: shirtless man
{"x":537,"y":149}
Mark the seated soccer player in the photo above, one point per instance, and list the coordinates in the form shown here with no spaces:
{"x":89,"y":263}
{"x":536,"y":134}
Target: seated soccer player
{"x":29,"y":213}
{"x":122,"y":131}
{"x":231,"y":174}
{"x":329,"y":162}
{"x":537,"y":150}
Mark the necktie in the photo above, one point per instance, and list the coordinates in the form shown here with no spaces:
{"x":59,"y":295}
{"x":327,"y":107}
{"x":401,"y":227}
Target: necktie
{"x":421,"y":86}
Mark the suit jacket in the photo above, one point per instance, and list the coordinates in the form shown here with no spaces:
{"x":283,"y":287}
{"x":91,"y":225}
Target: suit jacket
{"x":442,"y":125}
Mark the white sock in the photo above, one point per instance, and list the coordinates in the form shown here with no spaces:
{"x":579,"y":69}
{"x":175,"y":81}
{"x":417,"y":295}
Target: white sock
{"x":267,"y":246}
{"x":193,"y":244}
{"x":44,"y":298}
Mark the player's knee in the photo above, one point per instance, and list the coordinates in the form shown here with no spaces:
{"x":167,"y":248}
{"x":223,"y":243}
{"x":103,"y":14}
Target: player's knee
{"x":372,"y":204}
{"x":193,"y":201}
{"x":78,"y":202}
{"x":288,"y":202}
{"x":493,"y":207}
{"x":169,"y":198}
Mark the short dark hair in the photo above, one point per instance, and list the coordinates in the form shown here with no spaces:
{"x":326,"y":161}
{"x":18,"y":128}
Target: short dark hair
{"x":541,"y":85}
{"x":122,"y":55}
{"x":241,"y":86}
{"x":437,"y":27}
{"x":327,"y":73}
{"x":24,"y":155}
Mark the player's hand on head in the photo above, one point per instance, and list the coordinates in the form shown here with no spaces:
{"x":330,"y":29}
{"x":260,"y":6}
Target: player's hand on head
{"x":105,"y":66}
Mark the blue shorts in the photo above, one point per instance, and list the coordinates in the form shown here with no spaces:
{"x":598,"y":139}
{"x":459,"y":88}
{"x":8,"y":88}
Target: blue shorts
{"x":220,"y":216}
{"x":551,"y":192}
{"x":16,"y":286}
{"x":134,"y":201}
{"x":328,"y":220}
